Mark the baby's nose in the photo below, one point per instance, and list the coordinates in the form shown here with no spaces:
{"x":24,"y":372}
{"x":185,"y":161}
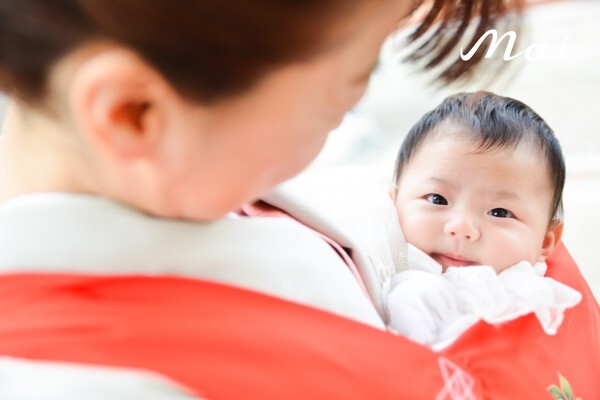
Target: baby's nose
{"x":462,"y":227}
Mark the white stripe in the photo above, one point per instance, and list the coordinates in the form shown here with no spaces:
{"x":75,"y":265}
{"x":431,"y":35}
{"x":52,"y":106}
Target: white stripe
{"x":39,"y":380}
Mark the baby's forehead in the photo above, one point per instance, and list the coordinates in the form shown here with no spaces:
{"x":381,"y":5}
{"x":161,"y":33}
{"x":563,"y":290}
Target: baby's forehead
{"x":486,"y":139}
{"x":476,"y":142}
{"x":451,"y":147}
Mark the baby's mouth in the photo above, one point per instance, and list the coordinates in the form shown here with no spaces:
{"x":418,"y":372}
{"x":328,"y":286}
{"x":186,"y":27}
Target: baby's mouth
{"x":447,"y":260}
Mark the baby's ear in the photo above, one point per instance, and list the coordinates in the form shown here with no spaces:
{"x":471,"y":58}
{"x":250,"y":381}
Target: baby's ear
{"x":551,"y":239}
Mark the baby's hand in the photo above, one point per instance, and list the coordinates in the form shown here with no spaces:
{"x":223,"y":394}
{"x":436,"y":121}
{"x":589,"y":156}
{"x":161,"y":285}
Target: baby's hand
{"x":420,"y":304}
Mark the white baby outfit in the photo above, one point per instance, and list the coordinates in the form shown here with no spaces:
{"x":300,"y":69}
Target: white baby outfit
{"x":435,"y":308}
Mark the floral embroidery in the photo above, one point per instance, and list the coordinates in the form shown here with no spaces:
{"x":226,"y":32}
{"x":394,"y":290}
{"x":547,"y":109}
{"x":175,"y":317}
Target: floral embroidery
{"x":565,"y":392}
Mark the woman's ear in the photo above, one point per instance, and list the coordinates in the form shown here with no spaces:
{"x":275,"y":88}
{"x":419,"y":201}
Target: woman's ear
{"x":551,"y":239}
{"x":116,"y":100}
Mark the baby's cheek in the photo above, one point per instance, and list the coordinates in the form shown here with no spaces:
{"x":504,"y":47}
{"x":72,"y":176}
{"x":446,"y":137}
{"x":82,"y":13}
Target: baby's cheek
{"x":418,"y":231}
{"x":511,"y":250}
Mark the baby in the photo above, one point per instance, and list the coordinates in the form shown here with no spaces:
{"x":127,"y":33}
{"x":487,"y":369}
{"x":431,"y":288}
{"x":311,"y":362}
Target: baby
{"x":478,"y":183}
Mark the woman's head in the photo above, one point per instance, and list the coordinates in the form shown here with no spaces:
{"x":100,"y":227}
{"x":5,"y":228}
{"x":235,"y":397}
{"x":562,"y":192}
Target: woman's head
{"x":190,"y":109}
{"x":206,"y":49}
{"x":210,"y":49}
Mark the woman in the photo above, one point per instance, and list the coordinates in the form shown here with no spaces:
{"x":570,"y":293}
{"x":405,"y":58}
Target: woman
{"x":131,"y":118}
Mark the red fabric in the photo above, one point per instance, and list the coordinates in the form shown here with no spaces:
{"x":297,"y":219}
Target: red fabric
{"x":520,"y":351}
{"x":227,"y":343}
{"x":219,"y":341}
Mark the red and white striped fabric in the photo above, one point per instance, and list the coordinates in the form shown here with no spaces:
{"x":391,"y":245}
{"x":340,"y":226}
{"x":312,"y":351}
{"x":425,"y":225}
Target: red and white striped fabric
{"x":196,"y":338}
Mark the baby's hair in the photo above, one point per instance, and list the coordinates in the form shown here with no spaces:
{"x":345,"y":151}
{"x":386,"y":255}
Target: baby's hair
{"x":496,"y":123}
{"x":213,"y":49}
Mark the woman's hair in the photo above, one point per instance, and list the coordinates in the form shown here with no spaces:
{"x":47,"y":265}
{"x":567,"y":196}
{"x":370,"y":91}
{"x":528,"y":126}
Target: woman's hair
{"x":496,"y":123}
{"x":209,"y":49}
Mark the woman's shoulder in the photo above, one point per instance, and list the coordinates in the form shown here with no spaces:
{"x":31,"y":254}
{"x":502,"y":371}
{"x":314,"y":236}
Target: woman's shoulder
{"x":92,"y":235}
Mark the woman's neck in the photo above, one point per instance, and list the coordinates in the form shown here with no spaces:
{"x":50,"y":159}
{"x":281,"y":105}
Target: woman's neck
{"x":36,"y":156}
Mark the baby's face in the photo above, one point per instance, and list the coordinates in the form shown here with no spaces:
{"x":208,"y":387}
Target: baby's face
{"x":464,"y":208}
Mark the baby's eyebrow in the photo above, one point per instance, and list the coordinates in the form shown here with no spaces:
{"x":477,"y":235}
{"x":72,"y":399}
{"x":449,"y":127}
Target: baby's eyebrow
{"x":506,"y":195}
{"x":437,"y":180}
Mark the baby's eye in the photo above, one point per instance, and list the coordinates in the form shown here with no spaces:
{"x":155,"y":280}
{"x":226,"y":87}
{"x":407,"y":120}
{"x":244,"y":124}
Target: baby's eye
{"x":501,"y":213}
{"x":437,"y":199}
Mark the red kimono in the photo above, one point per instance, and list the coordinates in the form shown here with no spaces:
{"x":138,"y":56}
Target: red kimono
{"x":222,"y":342}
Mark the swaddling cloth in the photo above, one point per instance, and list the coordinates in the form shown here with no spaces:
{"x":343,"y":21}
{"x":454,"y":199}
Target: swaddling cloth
{"x":435,"y":308}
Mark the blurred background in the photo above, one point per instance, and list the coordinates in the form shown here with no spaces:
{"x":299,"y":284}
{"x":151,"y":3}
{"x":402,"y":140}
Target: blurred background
{"x":564,"y":88}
